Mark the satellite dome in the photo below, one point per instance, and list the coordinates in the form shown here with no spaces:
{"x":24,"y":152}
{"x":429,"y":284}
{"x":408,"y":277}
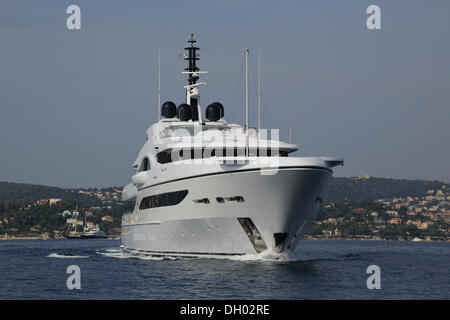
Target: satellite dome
{"x":214,"y":112}
{"x":168,"y":109}
{"x":184,"y":112}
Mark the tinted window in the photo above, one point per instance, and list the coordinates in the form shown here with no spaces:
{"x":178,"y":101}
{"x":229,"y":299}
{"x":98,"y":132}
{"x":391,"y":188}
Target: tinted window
{"x":145,"y":166}
{"x":163,"y":199}
{"x":164,"y":157}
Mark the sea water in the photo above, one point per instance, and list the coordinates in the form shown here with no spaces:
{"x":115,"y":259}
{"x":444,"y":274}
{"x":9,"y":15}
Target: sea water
{"x":37,"y":269}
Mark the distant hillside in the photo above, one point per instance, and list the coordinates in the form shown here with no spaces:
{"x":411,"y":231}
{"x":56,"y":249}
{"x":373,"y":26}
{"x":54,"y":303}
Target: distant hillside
{"x":358,"y":189}
{"x":340,"y":189}
{"x":27,"y":193}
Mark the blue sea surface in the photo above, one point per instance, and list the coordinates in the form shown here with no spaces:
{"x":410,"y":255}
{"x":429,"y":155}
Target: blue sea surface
{"x":36,"y":269}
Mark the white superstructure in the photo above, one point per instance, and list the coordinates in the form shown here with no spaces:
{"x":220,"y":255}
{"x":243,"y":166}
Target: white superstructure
{"x":206,"y":187}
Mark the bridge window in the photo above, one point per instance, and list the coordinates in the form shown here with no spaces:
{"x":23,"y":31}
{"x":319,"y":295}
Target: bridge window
{"x":167,"y":156}
{"x":164,"y":157}
{"x":145,"y":165}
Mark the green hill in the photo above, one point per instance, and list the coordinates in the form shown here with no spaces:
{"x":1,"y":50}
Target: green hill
{"x":359,"y":189}
{"x":23,"y":193}
{"x":28,"y":193}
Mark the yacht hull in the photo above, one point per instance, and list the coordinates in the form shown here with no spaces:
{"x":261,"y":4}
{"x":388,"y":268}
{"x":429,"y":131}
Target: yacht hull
{"x":246,"y":213}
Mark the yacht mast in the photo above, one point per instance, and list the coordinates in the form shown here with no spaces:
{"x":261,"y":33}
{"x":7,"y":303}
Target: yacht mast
{"x":259,"y":91}
{"x":192,"y":58}
{"x":192,"y":92}
{"x":159,"y":84}
{"x":246,"y":89}
{"x":246,"y":101}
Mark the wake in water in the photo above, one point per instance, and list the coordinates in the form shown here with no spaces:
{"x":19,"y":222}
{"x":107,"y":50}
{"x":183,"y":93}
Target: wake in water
{"x":267,"y":256}
{"x":65,"y":256}
{"x":122,"y":254}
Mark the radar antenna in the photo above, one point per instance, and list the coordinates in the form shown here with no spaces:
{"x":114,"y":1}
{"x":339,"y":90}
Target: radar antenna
{"x":192,"y":57}
{"x":192,"y":92}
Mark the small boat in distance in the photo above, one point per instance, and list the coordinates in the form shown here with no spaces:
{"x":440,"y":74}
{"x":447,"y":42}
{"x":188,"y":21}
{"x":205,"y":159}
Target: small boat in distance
{"x":87,"y":233}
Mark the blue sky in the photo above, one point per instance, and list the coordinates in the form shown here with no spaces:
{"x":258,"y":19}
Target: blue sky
{"x":75,"y":105}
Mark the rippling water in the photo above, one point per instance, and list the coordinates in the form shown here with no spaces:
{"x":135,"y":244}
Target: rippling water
{"x":36,"y":269}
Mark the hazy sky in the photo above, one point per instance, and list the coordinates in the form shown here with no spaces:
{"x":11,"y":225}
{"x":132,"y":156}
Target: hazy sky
{"x":75,"y":104}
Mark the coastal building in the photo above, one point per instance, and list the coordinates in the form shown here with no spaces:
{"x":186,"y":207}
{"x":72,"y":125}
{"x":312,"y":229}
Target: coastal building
{"x":395,"y":221}
{"x":90,"y":224}
{"x":331,"y":220}
{"x":50,"y":202}
{"x":392,"y":212}
{"x":107,"y":218}
{"x":53,"y":201}
{"x":74,"y":221}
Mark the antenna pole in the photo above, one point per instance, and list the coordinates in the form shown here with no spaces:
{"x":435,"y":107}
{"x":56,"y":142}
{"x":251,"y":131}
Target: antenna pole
{"x":246,"y":88}
{"x":259,"y":91}
{"x":246,"y":101}
{"x":159,"y":84}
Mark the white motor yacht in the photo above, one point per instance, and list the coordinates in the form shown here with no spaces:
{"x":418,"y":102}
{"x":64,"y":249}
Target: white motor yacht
{"x":203,"y":186}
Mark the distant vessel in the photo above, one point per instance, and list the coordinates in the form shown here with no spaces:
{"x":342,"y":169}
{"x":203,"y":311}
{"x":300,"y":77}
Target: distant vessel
{"x":417,"y":239}
{"x":204,"y":186}
{"x":87,"y":233}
